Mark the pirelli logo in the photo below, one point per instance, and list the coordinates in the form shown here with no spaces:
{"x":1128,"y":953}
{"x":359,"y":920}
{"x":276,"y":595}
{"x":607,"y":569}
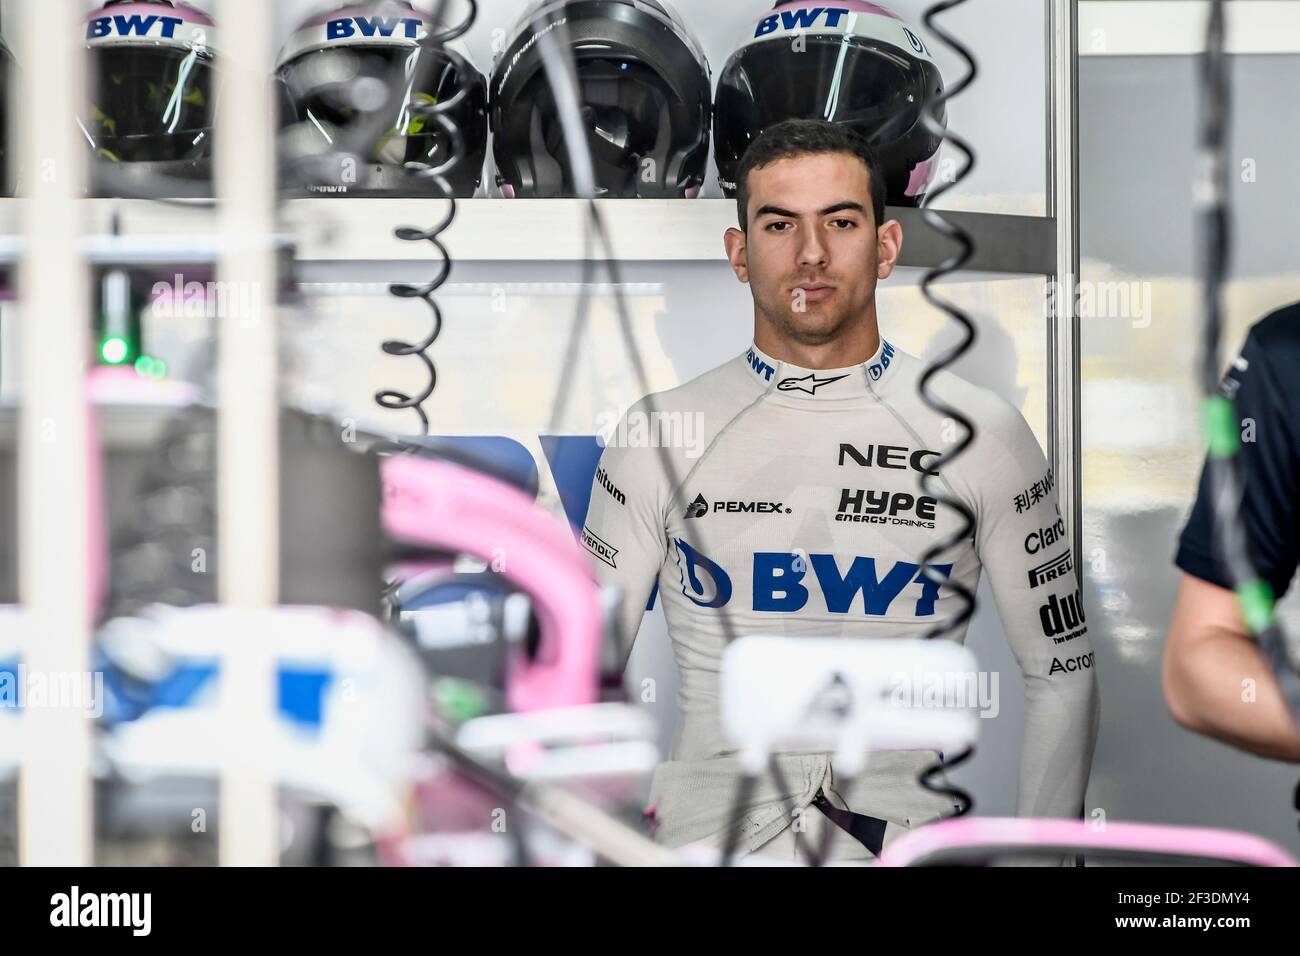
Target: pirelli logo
{"x":1050,"y":570}
{"x":598,"y":547}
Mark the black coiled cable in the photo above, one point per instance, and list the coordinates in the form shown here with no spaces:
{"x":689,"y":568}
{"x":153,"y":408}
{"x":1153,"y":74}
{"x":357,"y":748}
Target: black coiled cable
{"x":392,"y":398}
{"x":932,"y":778}
{"x":1253,"y":593}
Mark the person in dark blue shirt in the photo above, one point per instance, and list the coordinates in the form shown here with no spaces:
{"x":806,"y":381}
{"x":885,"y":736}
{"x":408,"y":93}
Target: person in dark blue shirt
{"x":1216,"y":679}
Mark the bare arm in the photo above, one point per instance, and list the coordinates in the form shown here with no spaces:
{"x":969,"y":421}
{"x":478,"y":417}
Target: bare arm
{"x":1216,"y":681}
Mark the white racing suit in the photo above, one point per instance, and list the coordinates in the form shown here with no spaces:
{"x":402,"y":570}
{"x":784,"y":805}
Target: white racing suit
{"x":799,"y":513}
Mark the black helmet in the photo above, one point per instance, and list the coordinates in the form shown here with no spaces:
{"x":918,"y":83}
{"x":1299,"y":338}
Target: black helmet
{"x":336,"y":68}
{"x":644,"y":84}
{"x":153,"y":88}
{"x":851,"y":62}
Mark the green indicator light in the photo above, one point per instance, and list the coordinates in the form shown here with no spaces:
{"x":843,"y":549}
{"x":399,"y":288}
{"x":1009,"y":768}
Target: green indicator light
{"x":114,"y":350}
{"x":459,"y":700}
{"x":146,"y":366}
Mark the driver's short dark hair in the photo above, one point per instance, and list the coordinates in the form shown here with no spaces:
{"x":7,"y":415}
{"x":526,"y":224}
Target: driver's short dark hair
{"x":804,"y":137}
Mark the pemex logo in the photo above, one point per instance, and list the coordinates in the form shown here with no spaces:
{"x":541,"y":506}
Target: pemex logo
{"x":697,"y":508}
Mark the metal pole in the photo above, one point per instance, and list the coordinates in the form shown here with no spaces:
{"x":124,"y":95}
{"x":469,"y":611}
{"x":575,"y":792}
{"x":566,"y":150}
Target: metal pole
{"x":54,"y":794}
{"x":1064,"y":425}
{"x":248,"y":449}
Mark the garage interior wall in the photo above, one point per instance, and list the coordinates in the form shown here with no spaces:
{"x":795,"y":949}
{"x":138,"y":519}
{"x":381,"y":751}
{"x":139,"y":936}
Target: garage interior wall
{"x":1142,"y":445}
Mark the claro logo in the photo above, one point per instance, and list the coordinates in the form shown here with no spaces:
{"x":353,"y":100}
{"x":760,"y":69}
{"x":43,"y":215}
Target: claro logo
{"x":1044,"y":538}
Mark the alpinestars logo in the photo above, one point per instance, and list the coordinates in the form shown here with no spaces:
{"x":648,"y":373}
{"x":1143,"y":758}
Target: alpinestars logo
{"x":1050,"y":570}
{"x":809,"y":383}
{"x":699,"y":507}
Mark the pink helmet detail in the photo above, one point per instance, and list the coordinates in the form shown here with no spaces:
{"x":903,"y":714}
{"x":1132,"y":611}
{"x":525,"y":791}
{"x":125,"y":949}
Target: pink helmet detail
{"x":853,"y":6}
{"x":183,"y":10}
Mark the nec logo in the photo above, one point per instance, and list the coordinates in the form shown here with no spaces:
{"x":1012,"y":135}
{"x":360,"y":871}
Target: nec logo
{"x":778,"y":586}
{"x":346,"y":27}
{"x":133,"y":25}
{"x":801,"y":19}
{"x":888,"y":456}
{"x":759,"y":366}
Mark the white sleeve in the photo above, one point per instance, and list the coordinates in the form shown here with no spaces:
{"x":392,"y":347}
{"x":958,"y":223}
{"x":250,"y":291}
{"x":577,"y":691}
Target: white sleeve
{"x":624,"y":531}
{"x":1021,"y":543}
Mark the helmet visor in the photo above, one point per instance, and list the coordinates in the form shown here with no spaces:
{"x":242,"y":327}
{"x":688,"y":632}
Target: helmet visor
{"x":150,"y":104}
{"x":328,"y":89}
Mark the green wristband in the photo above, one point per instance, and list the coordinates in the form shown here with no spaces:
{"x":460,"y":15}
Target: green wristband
{"x":1221,"y":426}
{"x":1256,"y":600}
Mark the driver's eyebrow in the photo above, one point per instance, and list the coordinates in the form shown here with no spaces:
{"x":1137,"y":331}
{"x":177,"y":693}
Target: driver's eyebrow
{"x":769,"y":210}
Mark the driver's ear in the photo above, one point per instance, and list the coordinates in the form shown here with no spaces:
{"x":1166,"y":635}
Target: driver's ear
{"x":889,"y":243}
{"x":736,"y":243}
